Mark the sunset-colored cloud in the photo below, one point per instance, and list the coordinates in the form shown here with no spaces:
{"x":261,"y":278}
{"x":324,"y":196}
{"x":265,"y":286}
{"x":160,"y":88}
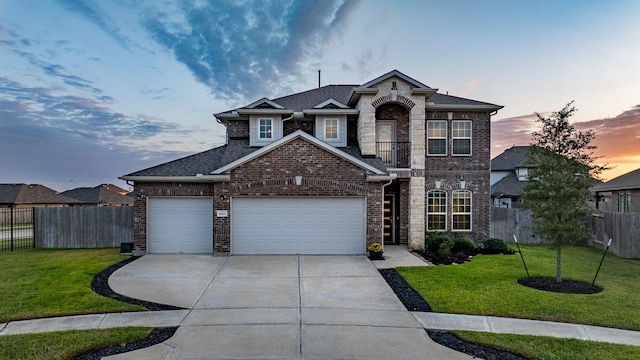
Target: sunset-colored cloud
{"x":617,"y":138}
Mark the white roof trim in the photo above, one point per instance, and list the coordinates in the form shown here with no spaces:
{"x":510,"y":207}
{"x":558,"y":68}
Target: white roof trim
{"x":289,"y":138}
{"x":396,"y":73}
{"x":331,"y":101}
{"x":194,"y":178}
{"x":264,"y":100}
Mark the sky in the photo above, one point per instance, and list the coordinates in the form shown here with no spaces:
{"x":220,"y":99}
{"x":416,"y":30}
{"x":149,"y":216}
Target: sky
{"x":93,"y":90}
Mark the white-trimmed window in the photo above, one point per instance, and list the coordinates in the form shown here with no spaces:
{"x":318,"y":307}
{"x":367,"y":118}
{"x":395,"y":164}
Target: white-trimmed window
{"x":461,"y":137}
{"x":461,"y":211}
{"x":265,"y":128}
{"x":331,"y":129}
{"x":437,"y":210}
{"x":437,"y":137}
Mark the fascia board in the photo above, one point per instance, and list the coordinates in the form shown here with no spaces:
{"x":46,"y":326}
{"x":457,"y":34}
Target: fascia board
{"x":462,"y":107}
{"x":331,"y":111}
{"x":264,"y":111}
{"x":189,"y":178}
{"x":292,"y":137}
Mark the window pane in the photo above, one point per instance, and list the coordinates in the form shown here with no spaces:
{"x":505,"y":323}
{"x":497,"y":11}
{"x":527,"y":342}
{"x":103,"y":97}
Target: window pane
{"x":437,"y":129}
{"x":436,"y":222}
{"x":331,"y":129}
{"x":461,"y":222}
{"x":461,"y":208}
{"x":265,"y":129}
{"x":437,"y":210}
{"x":461,"y":146}
{"x":437,"y":147}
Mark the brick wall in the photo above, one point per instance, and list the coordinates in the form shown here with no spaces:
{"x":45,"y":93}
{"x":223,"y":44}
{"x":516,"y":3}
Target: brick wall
{"x":238,"y":128}
{"x":397,"y":112}
{"x":291,"y":126}
{"x":474,"y":170}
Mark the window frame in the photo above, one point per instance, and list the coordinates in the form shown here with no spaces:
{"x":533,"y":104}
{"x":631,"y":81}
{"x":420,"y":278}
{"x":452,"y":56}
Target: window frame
{"x":442,"y":205}
{"x":267,"y":132}
{"x":445,"y":137}
{"x":337,"y":128}
{"x":468,"y":213}
{"x":457,"y":137}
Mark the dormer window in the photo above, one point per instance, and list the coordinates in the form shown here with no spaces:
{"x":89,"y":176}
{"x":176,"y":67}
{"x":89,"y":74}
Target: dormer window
{"x":331,"y":129}
{"x":266,"y":129}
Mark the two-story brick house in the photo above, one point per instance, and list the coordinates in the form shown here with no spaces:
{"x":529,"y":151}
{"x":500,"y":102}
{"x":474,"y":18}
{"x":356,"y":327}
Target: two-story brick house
{"x":325,"y":171}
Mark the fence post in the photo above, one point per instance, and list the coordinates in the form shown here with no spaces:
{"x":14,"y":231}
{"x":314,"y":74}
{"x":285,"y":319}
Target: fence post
{"x":11,"y":226}
{"x":33,"y":227}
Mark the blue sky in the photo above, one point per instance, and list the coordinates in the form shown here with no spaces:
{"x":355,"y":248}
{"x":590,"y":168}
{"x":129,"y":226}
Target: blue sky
{"x":92,"y":90}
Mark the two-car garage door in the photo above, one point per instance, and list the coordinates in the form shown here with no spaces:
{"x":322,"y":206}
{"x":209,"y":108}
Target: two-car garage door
{"x":298,"y":225}
{"x":259,"y":225}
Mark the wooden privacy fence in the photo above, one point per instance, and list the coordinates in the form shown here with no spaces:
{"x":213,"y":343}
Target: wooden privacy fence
{"x":83,"y":227}
{"x":622,"y":228}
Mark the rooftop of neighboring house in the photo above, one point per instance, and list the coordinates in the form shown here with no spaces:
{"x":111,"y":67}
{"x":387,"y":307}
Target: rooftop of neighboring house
{"x":628,"y":181}
{"x":32,"y":194}
{"x":508,"y":186}
{"x":101,"y":194}
{"x":512,"y":158}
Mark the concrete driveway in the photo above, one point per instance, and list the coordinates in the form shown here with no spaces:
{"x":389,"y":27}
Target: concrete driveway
{"x":276,"y":307}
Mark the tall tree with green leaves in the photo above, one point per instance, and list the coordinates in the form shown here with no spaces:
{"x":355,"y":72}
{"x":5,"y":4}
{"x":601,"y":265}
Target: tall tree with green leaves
{"x":558,"y":191}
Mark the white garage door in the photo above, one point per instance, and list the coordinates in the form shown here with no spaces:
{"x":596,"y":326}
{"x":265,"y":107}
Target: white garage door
{"x":180,"y":225}
{"x":298,"y":225}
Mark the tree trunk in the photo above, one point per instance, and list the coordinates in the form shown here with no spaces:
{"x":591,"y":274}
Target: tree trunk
{"x":558,"y":264}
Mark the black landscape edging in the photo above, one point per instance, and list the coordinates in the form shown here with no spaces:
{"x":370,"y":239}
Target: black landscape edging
{"x":100,"y":285}
{"x":414,"y":302}
{"x":156,"y":336}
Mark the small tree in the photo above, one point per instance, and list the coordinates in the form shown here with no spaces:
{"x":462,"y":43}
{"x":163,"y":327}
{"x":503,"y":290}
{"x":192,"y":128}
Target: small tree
{"x":558,"y":191}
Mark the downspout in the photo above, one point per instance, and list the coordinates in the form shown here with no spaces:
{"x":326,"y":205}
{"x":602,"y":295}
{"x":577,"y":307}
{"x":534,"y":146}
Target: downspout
{"x":295,"y":114}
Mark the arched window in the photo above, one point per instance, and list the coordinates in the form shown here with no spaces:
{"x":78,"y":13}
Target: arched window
{"x":437,"y":210}
{"x":461,"y":210}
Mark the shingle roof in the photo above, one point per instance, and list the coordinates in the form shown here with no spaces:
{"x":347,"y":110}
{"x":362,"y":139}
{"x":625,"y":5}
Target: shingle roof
{"x":34,"y":194}
{"x":101,"y":194}
{"x":310,"y":98}
{"x":442,"y":99}
{"x":630,"y":180}
{"x":508,"y":186}
{"x":510,"y":159}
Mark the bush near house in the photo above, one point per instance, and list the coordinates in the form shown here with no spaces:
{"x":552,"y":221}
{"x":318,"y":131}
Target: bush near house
{"x":445,"y":248}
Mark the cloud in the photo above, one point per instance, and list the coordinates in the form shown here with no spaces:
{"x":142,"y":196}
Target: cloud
{"x":468,"y":87}
{"x":248,"y":49}
{"x":511,"y":131}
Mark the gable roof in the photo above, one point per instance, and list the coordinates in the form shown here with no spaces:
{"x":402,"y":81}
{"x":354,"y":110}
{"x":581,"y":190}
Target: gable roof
{"x":508,"y":186}
{"x":396,"y":73}
{"x":630,"y":180}
{"x":296,"y":135}
{"x":101,"y":194}
{"x":31,"y":194}
{"x":511,"y":159}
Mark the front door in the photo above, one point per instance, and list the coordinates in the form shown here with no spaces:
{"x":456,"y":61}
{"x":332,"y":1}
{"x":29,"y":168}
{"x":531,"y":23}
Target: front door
{"x":386,"y":141}
{"x":388,"y":219}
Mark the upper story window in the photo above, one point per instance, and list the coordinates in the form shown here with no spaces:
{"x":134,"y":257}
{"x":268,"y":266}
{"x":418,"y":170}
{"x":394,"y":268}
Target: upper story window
{"x":437,"y":137}
{"x":331,"y":129}
{"x":265,"y":130}
{"x":461,"y":137}
{"x":624,"y":202}
{"x":437,"y":210}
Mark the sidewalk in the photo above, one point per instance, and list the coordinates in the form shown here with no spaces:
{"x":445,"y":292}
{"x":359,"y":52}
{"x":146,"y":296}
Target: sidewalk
{"x":429,"y":321}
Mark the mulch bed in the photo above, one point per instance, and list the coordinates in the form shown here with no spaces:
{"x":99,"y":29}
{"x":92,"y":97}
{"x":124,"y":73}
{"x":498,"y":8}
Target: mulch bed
{"x":414,"y":302}
{"x":566,"y":286}
{"x":100,"y":285}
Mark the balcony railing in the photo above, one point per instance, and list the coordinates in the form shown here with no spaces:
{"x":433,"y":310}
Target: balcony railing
{"x":394,"y":154}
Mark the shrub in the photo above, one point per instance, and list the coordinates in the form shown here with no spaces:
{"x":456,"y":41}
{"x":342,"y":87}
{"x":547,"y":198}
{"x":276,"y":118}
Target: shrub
{"x":445,"y":248}
{"x":494,"y":246}
{"x":433,"y":239}
{"x":375,"y":247}
{"x":462,"y":243}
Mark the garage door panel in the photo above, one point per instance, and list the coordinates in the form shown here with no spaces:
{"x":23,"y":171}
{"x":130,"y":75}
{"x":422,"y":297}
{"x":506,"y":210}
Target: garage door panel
{"x":180,"y":225}
{"x":298,"y":225}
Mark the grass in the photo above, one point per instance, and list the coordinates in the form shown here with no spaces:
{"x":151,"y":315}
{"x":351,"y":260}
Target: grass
{"x":66,"y":344}
{"x":40,"y":283}
{"x":542,"y":347}
{"x":488,"y":286}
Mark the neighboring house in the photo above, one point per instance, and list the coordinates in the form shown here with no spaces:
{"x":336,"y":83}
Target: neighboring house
{"x":325,"y":171}
{"x":620,"y":194}
{"x":509,"y":172}
{"x":101,"y":195}
{"x":32,"y":195}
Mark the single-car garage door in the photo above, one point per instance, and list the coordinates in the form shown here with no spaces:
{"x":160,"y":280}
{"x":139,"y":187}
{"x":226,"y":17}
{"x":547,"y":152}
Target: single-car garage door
{"x":298,"y":225}
{"x":180,"y":225}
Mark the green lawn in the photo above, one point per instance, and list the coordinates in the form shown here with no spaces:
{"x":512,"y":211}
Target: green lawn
{"x":39,"y":283}
{"x":66,"y":344}
{"x":488,"y":286}
{"x":542,"y":347}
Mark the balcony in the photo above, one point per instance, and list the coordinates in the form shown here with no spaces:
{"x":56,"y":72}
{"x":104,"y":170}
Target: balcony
{"x":394,"y":154}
